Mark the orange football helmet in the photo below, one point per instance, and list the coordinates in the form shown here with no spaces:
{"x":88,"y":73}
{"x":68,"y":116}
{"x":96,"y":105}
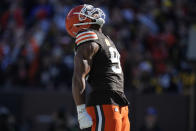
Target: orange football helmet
{"x":82,"y":17}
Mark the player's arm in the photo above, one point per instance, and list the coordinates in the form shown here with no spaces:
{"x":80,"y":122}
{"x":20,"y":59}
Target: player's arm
{"x":82,"y":63}
{"x":82,"y":66}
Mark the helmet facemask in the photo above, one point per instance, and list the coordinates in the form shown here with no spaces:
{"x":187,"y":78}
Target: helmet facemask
{"x":88,"y":11}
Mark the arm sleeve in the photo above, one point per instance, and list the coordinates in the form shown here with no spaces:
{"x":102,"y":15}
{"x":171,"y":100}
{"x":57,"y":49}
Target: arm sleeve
{"x":85,"y":36}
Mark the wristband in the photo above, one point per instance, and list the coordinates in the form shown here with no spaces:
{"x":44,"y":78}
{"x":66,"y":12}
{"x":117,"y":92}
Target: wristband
{"x":81,"y":108}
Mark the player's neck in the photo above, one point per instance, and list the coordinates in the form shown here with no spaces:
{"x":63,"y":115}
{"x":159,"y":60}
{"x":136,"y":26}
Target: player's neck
{"x":96,"y":27}
{"x":100,"y":30}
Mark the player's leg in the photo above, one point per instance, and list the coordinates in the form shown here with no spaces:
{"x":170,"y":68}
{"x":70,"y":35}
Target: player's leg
{"x":105,"y":118}
{"x":92,"y":113}
{"x":125,"y":119}
{"x":113,"y":118}
{"x":98,"y":117}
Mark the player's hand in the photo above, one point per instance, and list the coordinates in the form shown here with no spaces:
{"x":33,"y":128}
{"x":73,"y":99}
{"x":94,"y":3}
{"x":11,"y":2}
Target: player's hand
{"x":84,"y":119}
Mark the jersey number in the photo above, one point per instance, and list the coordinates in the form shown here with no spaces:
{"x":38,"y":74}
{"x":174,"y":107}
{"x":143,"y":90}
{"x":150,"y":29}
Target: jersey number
{"x":115,"y":58}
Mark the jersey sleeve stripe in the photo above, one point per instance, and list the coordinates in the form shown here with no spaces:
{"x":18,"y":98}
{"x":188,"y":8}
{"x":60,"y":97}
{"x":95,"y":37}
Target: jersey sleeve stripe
{"x":86,"y":39}
{"x":84,"y":33}
{"x":95,"y":36}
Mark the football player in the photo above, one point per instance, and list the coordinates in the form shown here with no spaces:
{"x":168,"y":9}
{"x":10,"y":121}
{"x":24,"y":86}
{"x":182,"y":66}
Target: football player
{"x":98,"y":62}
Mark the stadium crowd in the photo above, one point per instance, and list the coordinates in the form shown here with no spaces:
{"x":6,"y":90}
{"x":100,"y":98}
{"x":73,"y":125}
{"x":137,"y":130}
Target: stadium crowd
{"x":151,"y":35}
{"x":37,"y":53}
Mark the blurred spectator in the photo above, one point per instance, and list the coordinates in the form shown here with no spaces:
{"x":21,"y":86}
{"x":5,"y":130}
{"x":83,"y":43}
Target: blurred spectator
{"x":152,"y":38}
{"x":7,"y":121}
{"x":150,"y":121}
{"x":62,"y":121}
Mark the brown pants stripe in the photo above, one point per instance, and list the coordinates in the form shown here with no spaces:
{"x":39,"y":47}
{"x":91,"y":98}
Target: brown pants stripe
{"x":96,"y":127}
{"x":103,"y":119}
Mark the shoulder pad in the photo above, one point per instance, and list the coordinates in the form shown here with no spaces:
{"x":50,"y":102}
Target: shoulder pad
{"x":85,"y":36}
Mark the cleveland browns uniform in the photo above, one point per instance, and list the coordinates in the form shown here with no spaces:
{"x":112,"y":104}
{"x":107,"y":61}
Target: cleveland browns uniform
{"x":107,"y":98}
{"x":106,"y":107}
